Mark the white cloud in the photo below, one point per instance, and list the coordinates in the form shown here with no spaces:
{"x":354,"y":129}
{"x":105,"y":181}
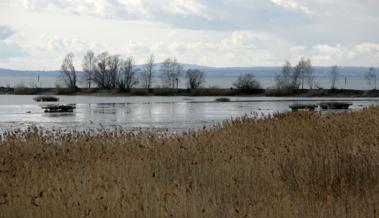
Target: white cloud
{"x":356,"y":54}
{"x":117,"y":9}
{"x":207,"y":32}
{"x":369,"y":48}
{"x":292,"y":5}
{"x":187,"y":8}
{"x":297,"y":49}
{"x":8,"y":48}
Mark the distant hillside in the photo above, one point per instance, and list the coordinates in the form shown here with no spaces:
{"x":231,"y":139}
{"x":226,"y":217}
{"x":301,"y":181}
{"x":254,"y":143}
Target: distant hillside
{"x":22,"y":73}
{"x":272,"y":71}
{"x":209,"y":71}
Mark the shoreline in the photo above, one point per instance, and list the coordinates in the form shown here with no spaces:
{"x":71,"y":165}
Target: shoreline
{"x":211,"y":92}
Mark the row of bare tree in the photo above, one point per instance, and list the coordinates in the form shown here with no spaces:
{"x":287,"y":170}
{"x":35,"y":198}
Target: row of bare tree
{"x":296,"y":77}
{"x":303,"y":74}
{"x":112,"y":72}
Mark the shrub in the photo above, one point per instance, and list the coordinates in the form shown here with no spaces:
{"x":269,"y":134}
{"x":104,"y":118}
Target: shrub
{"x":247,"y":84}
{"x":213,"y":92}
{"x":64,"y":91}
{"x":280,"y":92}
{"x":165,"y":91}
{"x":139,"y":92}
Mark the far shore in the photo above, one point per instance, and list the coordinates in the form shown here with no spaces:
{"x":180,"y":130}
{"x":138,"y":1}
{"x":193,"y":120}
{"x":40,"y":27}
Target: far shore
{"x":196,"y":92}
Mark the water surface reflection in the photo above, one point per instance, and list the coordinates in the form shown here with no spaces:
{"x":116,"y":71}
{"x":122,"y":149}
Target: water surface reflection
{"x":172,"y":113}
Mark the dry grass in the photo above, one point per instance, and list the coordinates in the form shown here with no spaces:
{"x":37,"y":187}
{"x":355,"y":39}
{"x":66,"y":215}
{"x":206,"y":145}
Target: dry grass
{"x":291,"y":165}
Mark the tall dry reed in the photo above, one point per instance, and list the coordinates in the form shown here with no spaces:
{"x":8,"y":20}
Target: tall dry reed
{"x":287,"y":165}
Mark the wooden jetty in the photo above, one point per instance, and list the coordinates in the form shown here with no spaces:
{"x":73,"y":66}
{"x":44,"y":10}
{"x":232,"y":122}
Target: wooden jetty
{"x":223,"y":100}
{"x":58,"y":108}
{"x":335,"y":105}
{"x":46,"y":98}
{"x":303,"y":107}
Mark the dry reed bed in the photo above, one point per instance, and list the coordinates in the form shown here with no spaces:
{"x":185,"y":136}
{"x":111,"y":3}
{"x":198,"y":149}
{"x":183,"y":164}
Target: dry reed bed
{"x":288,"y":165}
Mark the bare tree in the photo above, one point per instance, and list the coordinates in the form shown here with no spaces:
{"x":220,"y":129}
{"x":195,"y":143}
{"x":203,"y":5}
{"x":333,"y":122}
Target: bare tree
{"x":284,"y":80}
{"x":147,"y":73}
{"x":290,"y":78}
{"x":106,"y":70}
{"x":304,"y":72}
{"x":195,"y":78}
{"x":127,"y":77}
{"x":100,"y":71}
{"x":309,"y":74}
{"x":247,"y":83}
{"x":113,"y":63}
{"x":88,"y":66}
{"x":68,"y":72}
{"x":370,"y":76}
{"x":171,"y":71}
{"x":333,"y":76}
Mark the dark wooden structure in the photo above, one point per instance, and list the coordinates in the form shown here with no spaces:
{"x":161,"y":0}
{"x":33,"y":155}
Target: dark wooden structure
{"x":46,"y":98}
{"x":335,"y":105}
{"x":58,"y":108}
{"x":223,"y":100}
{"x":303,"y":107}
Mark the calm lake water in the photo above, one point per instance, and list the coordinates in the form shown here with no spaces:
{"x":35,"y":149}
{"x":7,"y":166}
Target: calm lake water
{"x":352,"y":82}
{"x":175,"y":114}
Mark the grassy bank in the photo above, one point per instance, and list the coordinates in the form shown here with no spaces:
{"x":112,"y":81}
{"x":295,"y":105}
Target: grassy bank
{"x":196,"y":92}
{"x":289,"y":165}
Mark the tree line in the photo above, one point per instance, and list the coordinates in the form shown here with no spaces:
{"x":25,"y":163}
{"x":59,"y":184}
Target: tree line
{"x":294,"y":78}
{"x":106,"y":71}
{"x":301,"y":75}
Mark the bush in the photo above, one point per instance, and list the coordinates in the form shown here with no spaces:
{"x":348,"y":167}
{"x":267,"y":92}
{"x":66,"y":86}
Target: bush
{"x":280,"y":92}
{"x":64,"y":91}
{"x":21,"y":89}
{"x":165,"y":91}
{"x":139,"y":92}
{"x":248,"y":84}
{"x":213,"y":92}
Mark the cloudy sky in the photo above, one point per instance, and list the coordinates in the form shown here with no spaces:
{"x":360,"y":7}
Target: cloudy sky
{"x":36,"y":34}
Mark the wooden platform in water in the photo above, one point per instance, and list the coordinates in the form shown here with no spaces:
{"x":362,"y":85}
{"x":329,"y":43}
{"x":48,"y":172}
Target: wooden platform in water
{"x":335,"y":105}
{"x":303,"y":107}
{"x":58,"y":108}
{"x":46,"y":98}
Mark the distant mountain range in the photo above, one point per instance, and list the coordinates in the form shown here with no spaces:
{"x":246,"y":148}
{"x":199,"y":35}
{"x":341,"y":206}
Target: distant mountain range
{"x":209,"y":71}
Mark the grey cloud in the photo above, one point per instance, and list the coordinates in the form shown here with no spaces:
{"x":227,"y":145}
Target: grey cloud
{"x":6,"y":32}
{"x":11,"y":50}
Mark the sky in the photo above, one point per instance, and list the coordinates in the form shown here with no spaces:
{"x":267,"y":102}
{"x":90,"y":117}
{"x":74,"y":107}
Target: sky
{"x":37,"y":34}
